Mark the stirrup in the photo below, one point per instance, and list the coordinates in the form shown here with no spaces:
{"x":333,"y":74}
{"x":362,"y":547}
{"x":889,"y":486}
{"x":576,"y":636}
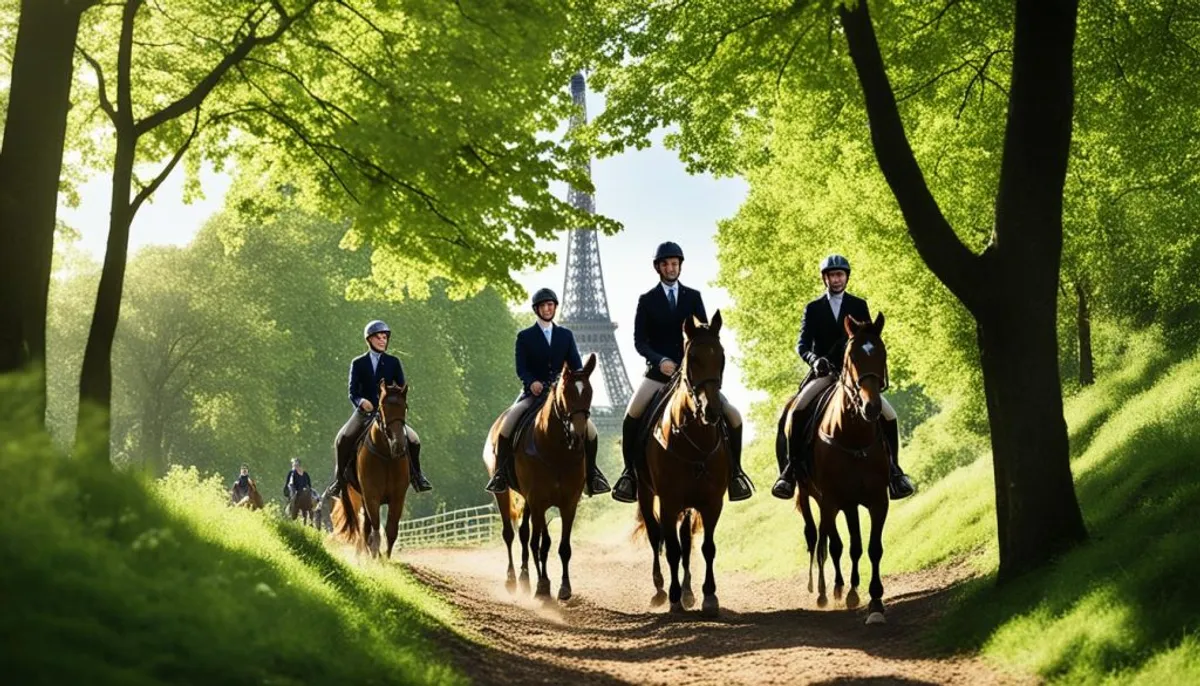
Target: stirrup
{"x":595,"y":484}
{"x":784,"y":488}
{"x":900,"y":487}
{"x":625,"y":490}
{"x":498,"y":483}
{"x":740,"y":488}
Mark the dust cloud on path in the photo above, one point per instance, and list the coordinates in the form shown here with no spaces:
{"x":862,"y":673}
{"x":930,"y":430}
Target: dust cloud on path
{"x":767,"y":632}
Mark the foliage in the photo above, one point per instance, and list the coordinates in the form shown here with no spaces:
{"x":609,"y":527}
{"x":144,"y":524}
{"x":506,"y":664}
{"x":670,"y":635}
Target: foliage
{"x":236,"y":347}
{"x":109,"y":579}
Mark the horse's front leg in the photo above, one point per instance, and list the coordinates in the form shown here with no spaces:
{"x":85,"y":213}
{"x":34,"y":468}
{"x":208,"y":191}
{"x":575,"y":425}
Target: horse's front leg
{"x":503,"y":504}
{"x":564,"y":550}
{"x":835,"y":548}
{"x":879,"y":513}
{"x":709,"y":517}
{"x":826,"y":530}
{"x":539,"y":559}
{"x":395,"y":509}
{"x":810,"y":533}
{"x":523,"y":532}
{"x":372,"y":529}
{"x":685,"y":558}
{"x":669,"y":515}
{"x":856,"y":549}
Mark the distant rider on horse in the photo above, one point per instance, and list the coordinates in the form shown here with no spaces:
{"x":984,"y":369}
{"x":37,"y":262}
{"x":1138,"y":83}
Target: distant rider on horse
{"x":297,"y":480}
{"x":366,"y":372}
{"x":541,"y":350}
{"x":658,"y":337}
{"x":241,"y":485}
{"x":822,"y":345}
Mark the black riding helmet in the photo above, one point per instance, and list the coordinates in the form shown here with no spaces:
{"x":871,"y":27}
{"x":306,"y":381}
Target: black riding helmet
{"x":543,"y":295}
{"x":668,"y":249}
{"x":835,"y":261}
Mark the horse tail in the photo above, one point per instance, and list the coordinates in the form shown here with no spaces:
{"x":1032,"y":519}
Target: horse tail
{"x":345,"y":519}
{"x":639,"y":531}
{"x":516,"y":505}
{"x":692,"y":520}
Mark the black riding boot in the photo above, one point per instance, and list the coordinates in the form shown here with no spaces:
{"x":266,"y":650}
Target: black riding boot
{"x":343,"y":451}
{"x":595,"y":482}
{"x":504,"y":455}
{"x":899,"y":485}
{"x":740,"y":486}
{"x":625,"y":489}
{"x":419,"y":483}
{"x":799,"y":457}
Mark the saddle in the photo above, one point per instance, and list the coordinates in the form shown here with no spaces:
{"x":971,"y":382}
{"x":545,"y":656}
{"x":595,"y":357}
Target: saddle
{"x":808,"y":432}
{"x":657,"y":406}
{"x":523,"y":435}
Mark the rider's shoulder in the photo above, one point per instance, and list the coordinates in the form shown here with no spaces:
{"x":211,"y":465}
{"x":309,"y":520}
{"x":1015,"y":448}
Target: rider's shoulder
{"x":359,"y":358}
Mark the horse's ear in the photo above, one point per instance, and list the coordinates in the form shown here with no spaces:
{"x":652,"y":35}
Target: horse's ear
{"x":714,"y":325}
{"x":590,"y":365}
{"x":879,"y":321}
{"x":382,"y":386}
{"x":566,"y":370}
{"x":689,"y":325}
{"x":851,"y":325}
{"x":404,"y":390}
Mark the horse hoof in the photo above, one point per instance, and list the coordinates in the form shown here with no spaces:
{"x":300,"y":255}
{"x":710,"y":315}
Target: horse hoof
{"x":543,"y":588}
{"x":658,"y":599}
{"x":852,"y":599}
{"x":876,"y":618}
{"x":677,"y":609}
{"x":689,"y":599}
{"x":564,"y":593}
{"x":710,"y":608}
{"x":510,"y":586}
{"x":822,"y":600}
{"x":837,"y":591}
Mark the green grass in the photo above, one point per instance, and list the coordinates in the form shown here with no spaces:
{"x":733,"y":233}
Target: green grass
{"x":1119,"y":609}
{"x":108,"y":579}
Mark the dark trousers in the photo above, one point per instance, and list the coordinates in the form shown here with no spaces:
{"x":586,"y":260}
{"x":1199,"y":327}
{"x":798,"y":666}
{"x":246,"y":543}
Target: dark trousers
{"x":347,"y":438}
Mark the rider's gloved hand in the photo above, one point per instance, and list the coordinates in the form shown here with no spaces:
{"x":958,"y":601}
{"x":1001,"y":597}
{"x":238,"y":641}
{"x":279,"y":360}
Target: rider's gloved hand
{"x":822,"y":366}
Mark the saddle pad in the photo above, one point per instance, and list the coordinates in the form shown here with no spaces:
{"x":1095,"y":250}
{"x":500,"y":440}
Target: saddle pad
{"x":657,"y":406}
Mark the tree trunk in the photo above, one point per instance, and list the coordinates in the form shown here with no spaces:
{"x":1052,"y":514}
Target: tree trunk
{"x":30,"y":166}
{"x":1083,"y":322}
{"x":1012,"y":288}
{"x":94,"y":428}
{"x":1037,"y":515}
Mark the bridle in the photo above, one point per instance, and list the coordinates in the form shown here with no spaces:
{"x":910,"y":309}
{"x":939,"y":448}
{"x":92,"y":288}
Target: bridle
{"x":851,"y":381}
{"x":692,"y":389}
{"x":392,"y":438}
{"x":565,"y":414}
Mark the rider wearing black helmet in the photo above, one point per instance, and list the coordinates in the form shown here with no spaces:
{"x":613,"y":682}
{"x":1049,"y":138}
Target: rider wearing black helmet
{"x":366,"y":373}
{"x":541,"y":350}
{"x":822,"y":345}
{"x":658,"y":337}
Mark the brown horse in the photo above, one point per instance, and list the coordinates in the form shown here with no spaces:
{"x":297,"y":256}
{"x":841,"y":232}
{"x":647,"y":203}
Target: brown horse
{"x":687,"y":466}
{"x":851,"y":467}
{"x":303,"y":504}
{"x":551,"y":474}
{"x":383,"y":476}
{"x":251,"y":500}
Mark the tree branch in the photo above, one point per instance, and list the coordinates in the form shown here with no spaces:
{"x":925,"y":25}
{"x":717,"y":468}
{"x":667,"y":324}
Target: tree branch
{"x":934,"y":238}
{"x":205,"y":86}
{"x":105,"y":103}
{"x":166,"y":171}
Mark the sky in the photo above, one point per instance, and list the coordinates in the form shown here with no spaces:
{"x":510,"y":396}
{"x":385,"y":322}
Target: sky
{"x":649,"y":191}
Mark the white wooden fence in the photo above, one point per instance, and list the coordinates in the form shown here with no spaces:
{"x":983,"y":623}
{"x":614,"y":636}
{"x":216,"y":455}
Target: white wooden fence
{"x":469,"y":526}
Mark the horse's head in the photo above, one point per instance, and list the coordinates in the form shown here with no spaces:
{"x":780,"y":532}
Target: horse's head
{"x":573,"y":399}
{"x":703,"y":366}
{"x":864,"y":368}
{"x":393,"y":413}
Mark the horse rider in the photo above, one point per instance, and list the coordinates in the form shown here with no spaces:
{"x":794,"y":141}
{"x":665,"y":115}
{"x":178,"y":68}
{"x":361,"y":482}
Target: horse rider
{"x":241,"y":485}
{"x":658,"y":337}
{"x":541,"y":350}
{"x":822,"y":345}
{"x":366,"y":372}
{"x":297,"y":479}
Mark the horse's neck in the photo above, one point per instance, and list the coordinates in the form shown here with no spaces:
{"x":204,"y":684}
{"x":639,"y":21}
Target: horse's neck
{"x":544,"y":420}
{"x":841,"y":417}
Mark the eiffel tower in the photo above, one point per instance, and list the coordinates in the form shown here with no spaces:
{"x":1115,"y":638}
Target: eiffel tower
{"x":585,"y":305}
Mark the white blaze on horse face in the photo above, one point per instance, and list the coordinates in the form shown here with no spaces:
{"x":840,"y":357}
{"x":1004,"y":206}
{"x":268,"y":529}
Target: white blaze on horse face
{"x":579,"y":387}
{"x":868,"y":347}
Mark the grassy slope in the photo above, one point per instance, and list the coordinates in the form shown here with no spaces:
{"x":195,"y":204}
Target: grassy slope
{"x":104,"y":579}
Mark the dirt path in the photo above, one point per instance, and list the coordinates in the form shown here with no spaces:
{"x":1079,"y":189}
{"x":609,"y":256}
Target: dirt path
{"x":768,"y":632}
